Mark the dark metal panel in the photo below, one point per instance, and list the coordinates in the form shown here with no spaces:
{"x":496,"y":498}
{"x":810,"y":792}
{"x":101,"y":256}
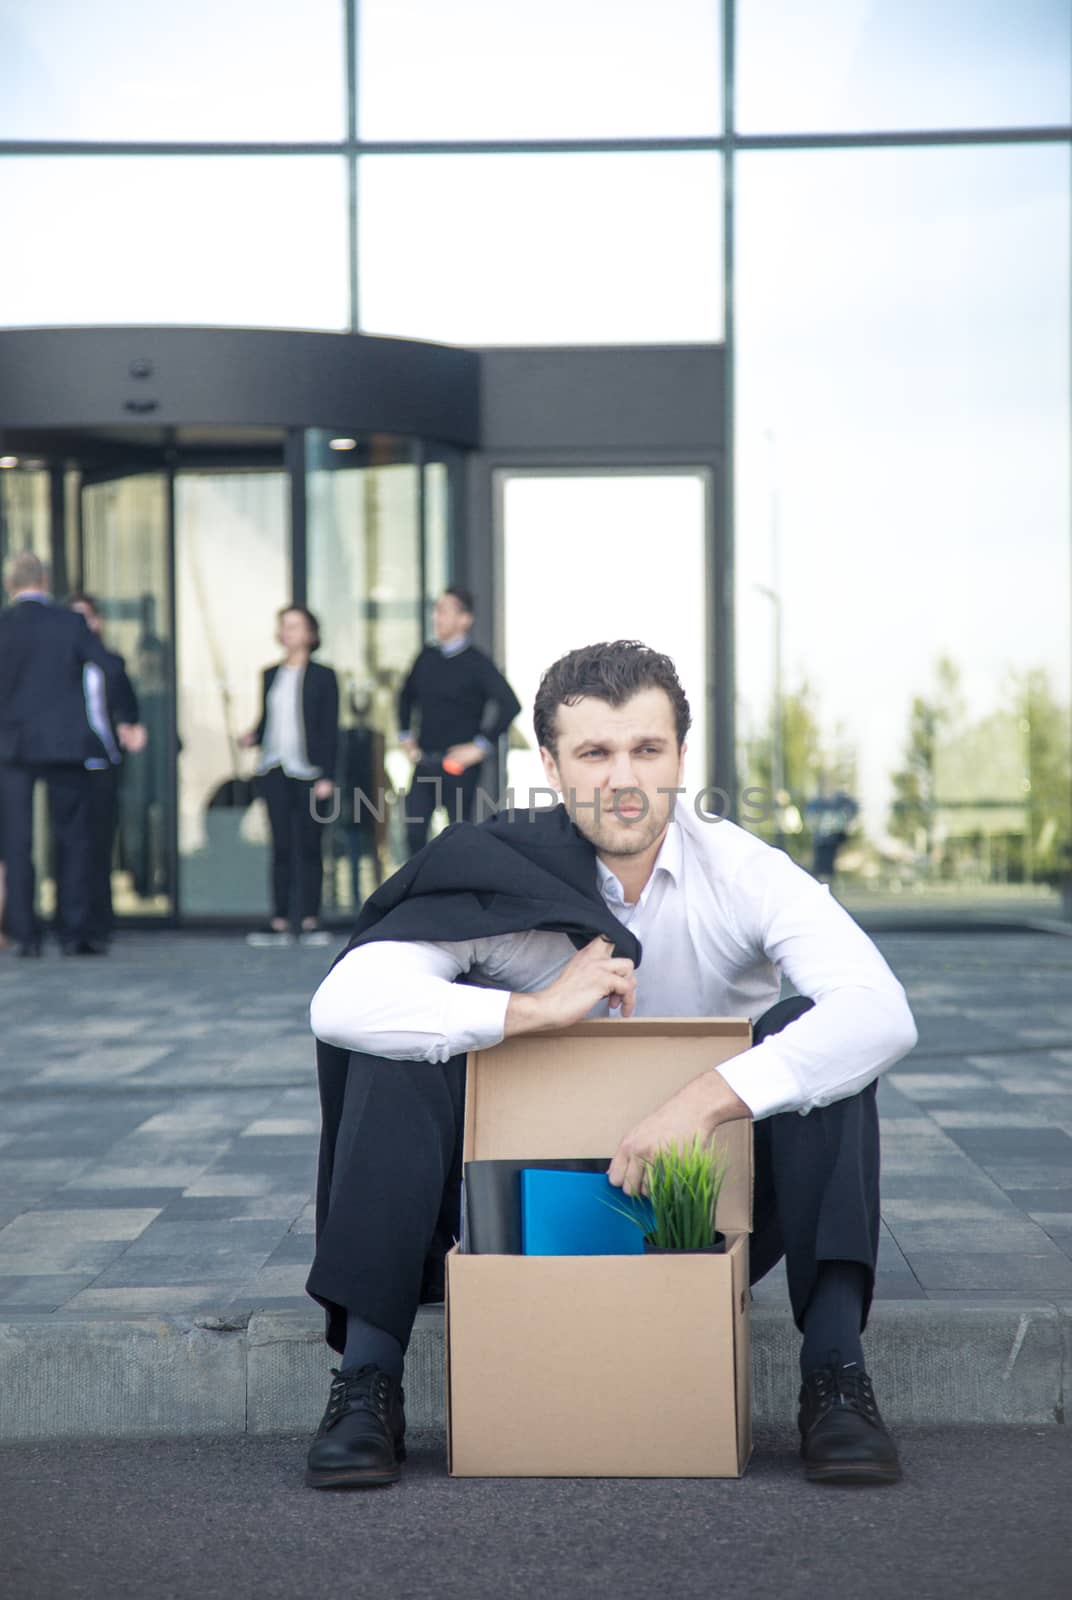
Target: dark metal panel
{"x":350,"y":45}
{"x":635,"y":397}
{"x":173,"y":736}
{"x":57,"y":531}
{"x":1044,"y":133}
{"x":294,"y":461}
{"x":722,"y":609}
{"x":85,"y":377}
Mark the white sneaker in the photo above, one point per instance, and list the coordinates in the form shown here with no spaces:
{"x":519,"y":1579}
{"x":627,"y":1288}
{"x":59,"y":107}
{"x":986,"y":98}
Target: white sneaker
{"x":315,"y":938}
{"x":269,"y":939}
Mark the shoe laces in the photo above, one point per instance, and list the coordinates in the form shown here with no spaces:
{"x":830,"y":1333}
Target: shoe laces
{"x":839,"y":1385}
{"x":360,"y":1389}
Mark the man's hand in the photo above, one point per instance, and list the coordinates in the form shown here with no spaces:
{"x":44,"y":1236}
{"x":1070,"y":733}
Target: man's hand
{"x":699,"y":1108}
{"x":132,"y":736}
{"x":592,"y":975}
{"x":412,"y":749}
{"x":466,"y":755}
{"x":323,"y":789}
{"x":247,"y":740}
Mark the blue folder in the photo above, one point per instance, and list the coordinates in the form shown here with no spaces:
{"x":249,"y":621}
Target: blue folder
{"x":574,"y":1214}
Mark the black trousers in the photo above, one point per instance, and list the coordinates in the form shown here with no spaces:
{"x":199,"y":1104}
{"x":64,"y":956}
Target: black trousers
{"x":432,"y":787}
{"x":297,"y":873}
{"x":103,"y":817}
{"x":68,"y":804}
{"x":388,"y":1200}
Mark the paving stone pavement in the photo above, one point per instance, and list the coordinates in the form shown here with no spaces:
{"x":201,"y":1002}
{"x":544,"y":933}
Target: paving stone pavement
{"x":158,"y":1125}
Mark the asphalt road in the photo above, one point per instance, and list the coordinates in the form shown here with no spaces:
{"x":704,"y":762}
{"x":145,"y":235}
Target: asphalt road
{"x":982,"y":1512}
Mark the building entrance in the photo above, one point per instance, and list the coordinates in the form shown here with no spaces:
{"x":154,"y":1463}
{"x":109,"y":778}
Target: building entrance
{"x":190,"y":541}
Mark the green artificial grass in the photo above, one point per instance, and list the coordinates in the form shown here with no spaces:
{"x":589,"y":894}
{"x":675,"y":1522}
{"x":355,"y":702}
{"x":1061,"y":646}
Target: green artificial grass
{"x":684,"y":1184}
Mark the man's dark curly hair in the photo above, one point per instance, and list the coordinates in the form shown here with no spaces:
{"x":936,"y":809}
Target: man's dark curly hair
{"x":612,"y":672}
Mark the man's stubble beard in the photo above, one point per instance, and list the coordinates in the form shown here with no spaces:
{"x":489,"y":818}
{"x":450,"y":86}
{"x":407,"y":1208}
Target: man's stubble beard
{"x":626,"y":839}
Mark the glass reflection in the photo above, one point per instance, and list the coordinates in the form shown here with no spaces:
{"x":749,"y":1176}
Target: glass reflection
{"x":558,"y":249}
{"x":251,"y":241}
{"x":125,"y":568}
{"x":24,"y":512}
{"x":855,"y":66}
{"x":903,"y":499}
{"x":364,"y":554}
{"x":548,"y":523}
{"x":121,"y":69}
{"x":232,"y":573}
{"x":562,"y":69}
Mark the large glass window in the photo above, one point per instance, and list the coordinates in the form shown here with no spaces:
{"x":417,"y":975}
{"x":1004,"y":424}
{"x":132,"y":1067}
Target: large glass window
{"x":834,"y":66}
{"x":125,"y":568}
{"x":903,"y":510}
{"x":572,"y":547}
{"x":232,"y":573}
{"x":124,"y":69}
{"x":246,"y":241}
{"x":364,"y":563}
{"x":482,"y":69}
{"x":24,"y":510}
{"x":542,"y":249}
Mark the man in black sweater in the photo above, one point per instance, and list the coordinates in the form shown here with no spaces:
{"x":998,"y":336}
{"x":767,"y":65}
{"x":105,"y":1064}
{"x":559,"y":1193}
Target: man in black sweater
{"x":463,"y":704}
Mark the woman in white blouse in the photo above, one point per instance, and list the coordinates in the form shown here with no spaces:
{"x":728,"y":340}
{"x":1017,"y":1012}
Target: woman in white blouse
{"x":298,"y":735}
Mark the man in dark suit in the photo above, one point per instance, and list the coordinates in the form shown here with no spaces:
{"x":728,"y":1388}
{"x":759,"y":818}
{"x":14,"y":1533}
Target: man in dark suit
{"x":107,"y":705}
{"x":45,"y":733}
{"x":461,"y":705}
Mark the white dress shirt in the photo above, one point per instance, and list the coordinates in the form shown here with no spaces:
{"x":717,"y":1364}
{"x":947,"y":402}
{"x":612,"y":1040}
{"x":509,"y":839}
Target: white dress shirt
{"x":96,"y":698}
{"x":284,"y":733}
{"x":721,"y":918}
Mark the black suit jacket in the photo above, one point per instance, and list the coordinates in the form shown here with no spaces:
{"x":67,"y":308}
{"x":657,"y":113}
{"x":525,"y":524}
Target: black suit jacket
{"x":320,"y":714}
{"x":43,"y":651}
{"x":506,"y":875}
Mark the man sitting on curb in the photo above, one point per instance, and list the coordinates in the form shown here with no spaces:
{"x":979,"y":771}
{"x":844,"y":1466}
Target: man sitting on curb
{"x":536,"y":919}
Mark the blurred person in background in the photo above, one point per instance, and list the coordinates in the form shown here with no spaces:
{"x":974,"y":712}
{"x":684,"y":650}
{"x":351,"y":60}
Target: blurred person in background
{"x":45,"y":734}
{"x":363,"y":785}
{"x":107,"y":705}
{"x":298,"y":735}
{"x":460,"y":704}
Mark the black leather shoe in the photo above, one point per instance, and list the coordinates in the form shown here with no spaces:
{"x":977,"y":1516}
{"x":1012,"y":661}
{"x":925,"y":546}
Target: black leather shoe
{"x":84,"y":947}
{"x":361,"y":1438}
{"x":842,"y":1436}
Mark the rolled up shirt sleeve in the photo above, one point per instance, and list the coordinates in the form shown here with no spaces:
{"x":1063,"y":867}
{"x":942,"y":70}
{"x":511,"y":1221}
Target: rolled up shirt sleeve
{"x":860,"y":1023}
{"x":403,"y":1001}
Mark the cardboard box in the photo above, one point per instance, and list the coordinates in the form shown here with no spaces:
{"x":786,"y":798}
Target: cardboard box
{"x":599,"y":1366}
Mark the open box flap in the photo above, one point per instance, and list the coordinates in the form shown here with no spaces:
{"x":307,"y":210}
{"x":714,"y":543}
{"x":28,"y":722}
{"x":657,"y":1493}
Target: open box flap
{"x":576,"y":1092}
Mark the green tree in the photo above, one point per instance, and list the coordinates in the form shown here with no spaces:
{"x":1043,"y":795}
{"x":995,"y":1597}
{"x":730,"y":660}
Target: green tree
{"x":802,"y":762}
{"x":930,"y":719}
{"x":1044,"y":722}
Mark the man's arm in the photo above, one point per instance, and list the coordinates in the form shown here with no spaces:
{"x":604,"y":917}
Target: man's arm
{"x":860,"y":1023}
{"x":501,"y":706}
{"x":122,"y":699}
{"x":407,"y":697}
{"x":401,"y":1000}
{"x":396,"y":999}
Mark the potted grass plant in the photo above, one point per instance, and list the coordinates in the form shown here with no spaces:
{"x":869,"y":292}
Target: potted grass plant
{"x":684,"y":1184}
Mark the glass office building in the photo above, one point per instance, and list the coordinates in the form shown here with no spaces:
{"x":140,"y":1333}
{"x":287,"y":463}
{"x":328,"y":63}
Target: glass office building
{"x":739,"y":327}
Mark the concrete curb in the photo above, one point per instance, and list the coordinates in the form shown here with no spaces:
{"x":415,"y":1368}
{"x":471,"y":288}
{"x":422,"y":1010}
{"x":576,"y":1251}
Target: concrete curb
{"x":996,"y":1361}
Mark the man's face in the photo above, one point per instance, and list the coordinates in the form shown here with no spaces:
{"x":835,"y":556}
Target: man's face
{"x":449,"y":618}
{"x":612,"y":762}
